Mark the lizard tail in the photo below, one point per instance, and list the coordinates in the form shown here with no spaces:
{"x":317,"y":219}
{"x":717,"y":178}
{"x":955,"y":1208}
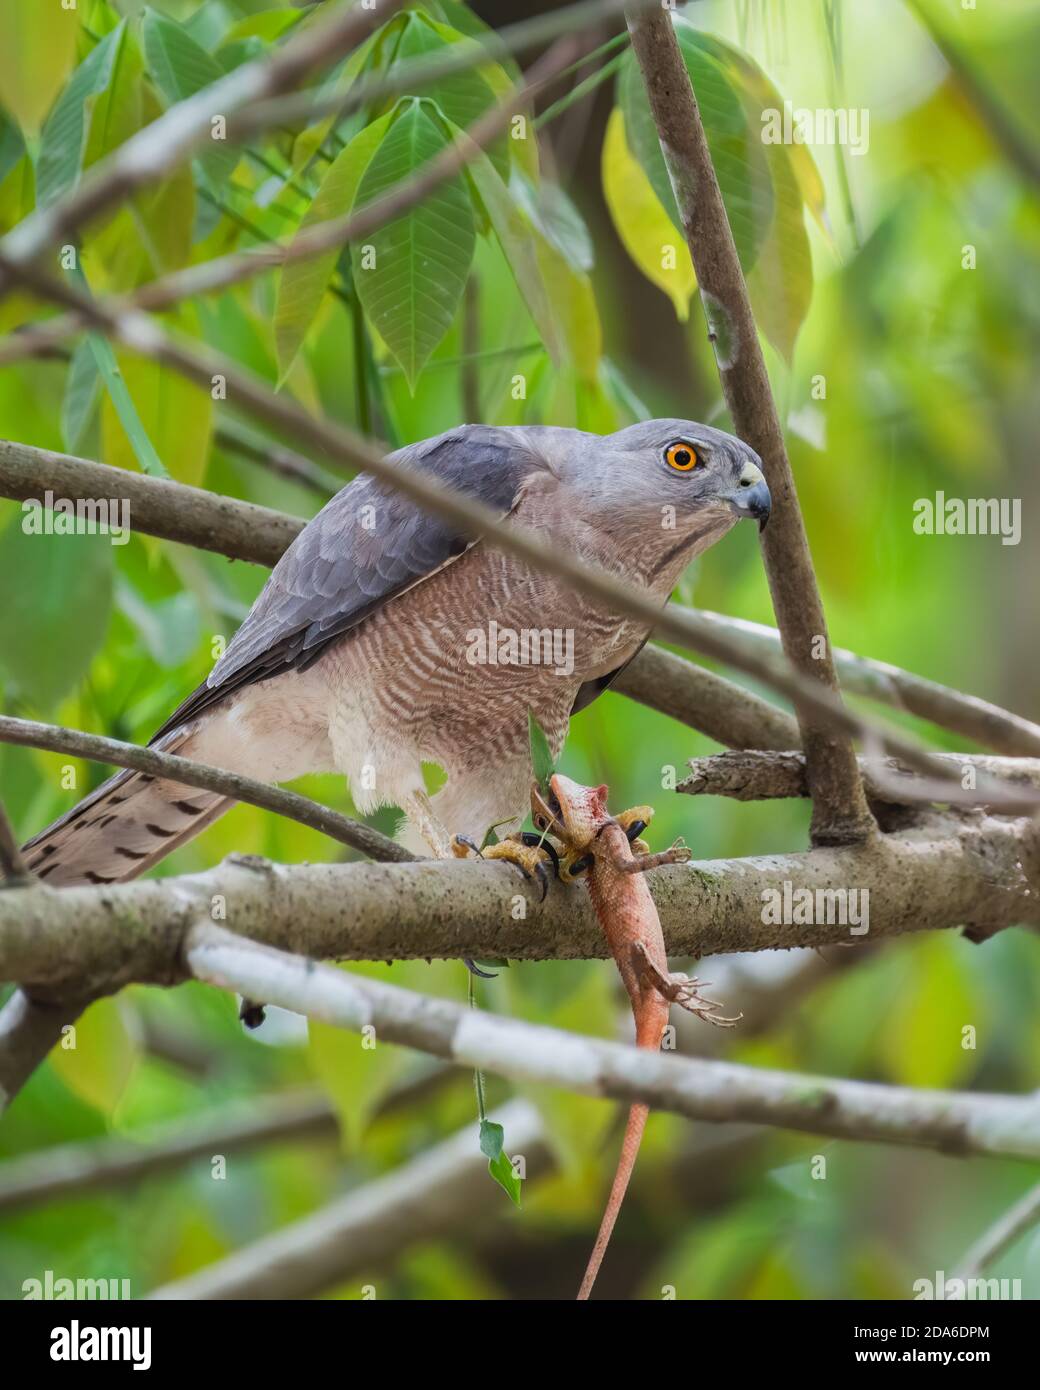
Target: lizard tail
{"x":637,"y":1117}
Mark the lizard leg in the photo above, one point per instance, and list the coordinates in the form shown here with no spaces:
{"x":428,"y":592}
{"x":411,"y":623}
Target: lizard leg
{"x":680,"y":989}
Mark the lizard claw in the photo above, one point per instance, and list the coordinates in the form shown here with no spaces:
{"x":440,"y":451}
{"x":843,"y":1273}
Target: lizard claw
{"x":682,"y":990}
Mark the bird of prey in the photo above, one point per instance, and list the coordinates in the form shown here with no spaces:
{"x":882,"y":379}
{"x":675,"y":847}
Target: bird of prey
{"x":385,"y":639}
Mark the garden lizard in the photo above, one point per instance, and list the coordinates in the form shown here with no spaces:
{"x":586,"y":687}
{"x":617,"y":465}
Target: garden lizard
{"x":604,"y":848}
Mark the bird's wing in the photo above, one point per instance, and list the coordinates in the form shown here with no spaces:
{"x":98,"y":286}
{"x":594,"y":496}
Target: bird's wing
{"x":367,"y":545}
{"x":592,"y":690}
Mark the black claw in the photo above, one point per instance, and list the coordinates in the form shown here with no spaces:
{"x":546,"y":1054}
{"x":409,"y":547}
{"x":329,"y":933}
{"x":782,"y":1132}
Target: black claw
{"x":252,"y":1014}
{"x":474,"y":969}
{"x":580,"y":865}
{"x":530,"y":837}
{"x":543,"y":879}
{"x":635,"y":830}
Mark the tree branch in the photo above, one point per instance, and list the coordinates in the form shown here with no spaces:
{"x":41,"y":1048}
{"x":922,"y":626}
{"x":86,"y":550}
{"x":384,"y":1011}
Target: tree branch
{"x":840,"y":812}
{"x":700,"y":1088}
{"x":28,"y":734}
{"x":766,"y":776}
{"x":1001,"y":1236}
{"x":84,"y":940}
{"x":962,"y":714}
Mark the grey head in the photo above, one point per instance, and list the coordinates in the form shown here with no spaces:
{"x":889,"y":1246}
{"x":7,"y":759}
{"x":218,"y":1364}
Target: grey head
{"x":660,"y":463}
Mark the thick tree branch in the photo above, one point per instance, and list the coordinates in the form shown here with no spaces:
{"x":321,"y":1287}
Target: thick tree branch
{"x":28,"y":734}
{"x":705,"y":701}
{"x":981,"y":871}
{"x":700,"y":1089}
{"x":28,"y":1031}
{"x":157,"y":506}
{"x":840,"y":812}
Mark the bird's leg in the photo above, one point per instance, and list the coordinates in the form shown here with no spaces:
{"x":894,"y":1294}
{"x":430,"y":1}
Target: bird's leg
{"x":419,"y":810}
{"x":680,"y":989}
{"x":530,"y":852}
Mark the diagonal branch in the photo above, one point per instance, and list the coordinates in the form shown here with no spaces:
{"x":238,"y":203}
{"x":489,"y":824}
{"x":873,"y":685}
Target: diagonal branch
{"x":29,"y":734}
{"x":201,"y":364}
{"x":171,"y":139}
{"x":700,"y":1089}
{"x":840,"y":812}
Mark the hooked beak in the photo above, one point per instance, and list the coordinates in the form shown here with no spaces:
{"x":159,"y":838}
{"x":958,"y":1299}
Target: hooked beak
{"x":751,"y":497}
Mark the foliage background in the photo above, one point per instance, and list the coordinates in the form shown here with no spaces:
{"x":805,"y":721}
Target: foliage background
{"x":930,"y":385}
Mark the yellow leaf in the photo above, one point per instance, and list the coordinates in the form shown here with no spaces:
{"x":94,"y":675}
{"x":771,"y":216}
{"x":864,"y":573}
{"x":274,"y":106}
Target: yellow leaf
{"x":37,"y":50}
{"x":645,"y":229}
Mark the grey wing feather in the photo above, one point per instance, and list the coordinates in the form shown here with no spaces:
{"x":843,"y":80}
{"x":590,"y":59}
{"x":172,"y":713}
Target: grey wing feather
{"x":368,"y":544}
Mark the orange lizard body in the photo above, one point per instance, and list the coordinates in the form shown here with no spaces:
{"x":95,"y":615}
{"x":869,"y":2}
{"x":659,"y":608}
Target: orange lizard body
{"x":594,"y":839}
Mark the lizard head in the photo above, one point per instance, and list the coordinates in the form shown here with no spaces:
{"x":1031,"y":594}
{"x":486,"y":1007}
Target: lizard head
{"x":573,"y":813}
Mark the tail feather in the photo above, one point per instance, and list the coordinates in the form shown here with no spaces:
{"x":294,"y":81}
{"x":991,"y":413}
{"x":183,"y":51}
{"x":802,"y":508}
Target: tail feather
{"x":124,"y":827}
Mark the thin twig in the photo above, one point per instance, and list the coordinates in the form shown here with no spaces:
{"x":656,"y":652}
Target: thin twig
{"x":29,"y":734}
{"x":167,"y":142}
{"x":12,"y":864}
{"x":1001,"y":1236}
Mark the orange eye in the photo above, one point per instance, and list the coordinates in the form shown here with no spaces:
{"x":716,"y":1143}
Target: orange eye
{"x":681,"y":456}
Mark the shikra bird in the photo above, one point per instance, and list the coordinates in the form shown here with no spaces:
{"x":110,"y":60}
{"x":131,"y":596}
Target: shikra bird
{"x":385,"y":639}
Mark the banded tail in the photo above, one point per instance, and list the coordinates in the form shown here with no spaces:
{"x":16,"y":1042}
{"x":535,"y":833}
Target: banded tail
{"x":124,"y":827}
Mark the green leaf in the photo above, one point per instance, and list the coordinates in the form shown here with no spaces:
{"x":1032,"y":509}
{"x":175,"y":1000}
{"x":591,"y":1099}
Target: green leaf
{"x":64,"y":137}
{"x":181,"y":67}
{"x":168,"y":408}
{"x":82,"y":389}
{"x":37,"y":49}
{"x":46,"y":646}
{"x":514,"y":231}
{"x":411,"y":273}
{"x":492,"y":1138}
{"x":99,"y":1066}
{"x":736,"y":149}
{"x":542,"y":761}
{"x":122,"y":402}
{"x":303,"y":283}
{"x":12,"y":146}
{"x":464,"y":97}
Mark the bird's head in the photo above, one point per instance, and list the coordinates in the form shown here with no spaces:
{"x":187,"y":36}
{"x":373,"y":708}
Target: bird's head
{"x":670,"y":466}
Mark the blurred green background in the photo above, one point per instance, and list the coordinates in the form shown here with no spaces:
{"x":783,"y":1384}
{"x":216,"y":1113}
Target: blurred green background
{"x":857,"y":269}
